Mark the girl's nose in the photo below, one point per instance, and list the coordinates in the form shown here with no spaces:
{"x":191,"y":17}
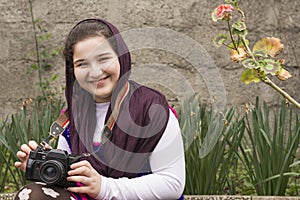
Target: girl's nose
{"x":95,"y":71}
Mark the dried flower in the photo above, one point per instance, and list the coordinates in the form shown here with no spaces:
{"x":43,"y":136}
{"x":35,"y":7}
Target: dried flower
{"x":196,"y":136}
{"x":283,"y":75}
{"x":260,"y":61}
{"x":271,"y":45}
{"x":239,"y":54}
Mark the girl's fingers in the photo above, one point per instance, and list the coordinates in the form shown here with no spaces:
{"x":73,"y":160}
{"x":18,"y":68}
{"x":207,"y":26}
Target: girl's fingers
{"x":47,"y":146}
{"x":32,"y":144}
{"x":20,"y":165}
{"x":25,"y":148}
{"x":80,"y":179}
{"x":21,"y":155}
{"x":82,"y":189}
{"x":81,"y":164}
{"x":81,"y":171}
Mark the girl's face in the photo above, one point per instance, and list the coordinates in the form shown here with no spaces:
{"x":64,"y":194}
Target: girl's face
{"x":96,"y":67}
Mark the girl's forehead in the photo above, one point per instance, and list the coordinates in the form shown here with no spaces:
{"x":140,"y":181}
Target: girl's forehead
{"x":92,"y":46}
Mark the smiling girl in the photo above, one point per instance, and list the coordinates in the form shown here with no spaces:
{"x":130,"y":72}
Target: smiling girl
{"x":136,"y":140}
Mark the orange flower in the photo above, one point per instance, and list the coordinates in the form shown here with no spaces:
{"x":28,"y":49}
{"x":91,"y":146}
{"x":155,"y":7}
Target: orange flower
{"x":222,"y":9}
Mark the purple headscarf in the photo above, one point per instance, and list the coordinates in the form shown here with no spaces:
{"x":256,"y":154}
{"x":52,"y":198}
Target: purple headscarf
{"x":141,"y":122}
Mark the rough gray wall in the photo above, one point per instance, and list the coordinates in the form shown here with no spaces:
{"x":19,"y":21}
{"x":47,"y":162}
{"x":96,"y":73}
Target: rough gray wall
{"x":167,"y":39}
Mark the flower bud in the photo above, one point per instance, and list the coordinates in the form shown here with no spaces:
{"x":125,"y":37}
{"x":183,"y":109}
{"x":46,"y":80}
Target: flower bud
{"x":283,"y":75}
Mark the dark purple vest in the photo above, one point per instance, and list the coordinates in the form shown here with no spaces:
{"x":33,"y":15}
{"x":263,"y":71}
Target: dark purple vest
{"x":141,"y":122}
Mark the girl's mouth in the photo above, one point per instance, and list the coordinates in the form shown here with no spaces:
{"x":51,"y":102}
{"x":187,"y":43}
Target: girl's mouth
{"x":101,"y":81}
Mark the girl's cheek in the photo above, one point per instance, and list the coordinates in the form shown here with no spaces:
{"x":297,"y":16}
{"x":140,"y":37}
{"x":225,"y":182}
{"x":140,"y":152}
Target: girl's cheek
{"x":80,"y":74}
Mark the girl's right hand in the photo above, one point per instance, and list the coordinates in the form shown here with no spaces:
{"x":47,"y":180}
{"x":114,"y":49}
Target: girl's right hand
{"x":24,"y":154}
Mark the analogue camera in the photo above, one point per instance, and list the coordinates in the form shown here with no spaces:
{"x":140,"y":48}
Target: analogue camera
{"x":50,"y":166}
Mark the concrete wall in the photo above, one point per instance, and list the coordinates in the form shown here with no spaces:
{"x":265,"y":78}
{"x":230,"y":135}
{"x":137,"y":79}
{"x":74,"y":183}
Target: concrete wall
{"x":171,"y":43}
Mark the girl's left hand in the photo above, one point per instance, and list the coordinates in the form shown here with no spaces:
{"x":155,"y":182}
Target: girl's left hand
{"x":84,"y":173}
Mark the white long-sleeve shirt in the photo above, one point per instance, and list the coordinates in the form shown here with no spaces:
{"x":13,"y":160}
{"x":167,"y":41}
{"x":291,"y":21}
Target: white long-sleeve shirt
{"x":166,"y":161}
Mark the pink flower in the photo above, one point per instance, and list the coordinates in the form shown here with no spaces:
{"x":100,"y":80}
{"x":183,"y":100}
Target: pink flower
{"x":223,"y":8}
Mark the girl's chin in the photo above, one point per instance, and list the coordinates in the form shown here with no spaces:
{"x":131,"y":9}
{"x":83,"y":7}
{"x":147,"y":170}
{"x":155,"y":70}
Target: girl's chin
{"x":99,"y":98}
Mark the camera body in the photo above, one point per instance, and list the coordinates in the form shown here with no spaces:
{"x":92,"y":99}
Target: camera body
{"x":50,"y":166}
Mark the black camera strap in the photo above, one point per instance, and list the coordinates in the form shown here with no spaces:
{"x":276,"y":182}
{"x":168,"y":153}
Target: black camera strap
{"x":59,"y":125}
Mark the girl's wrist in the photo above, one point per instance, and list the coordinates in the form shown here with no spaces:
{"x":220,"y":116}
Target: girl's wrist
{"x":103,"y":187}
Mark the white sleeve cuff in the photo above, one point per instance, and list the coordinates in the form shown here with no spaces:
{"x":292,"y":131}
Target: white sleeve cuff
{"x":103,"y":188}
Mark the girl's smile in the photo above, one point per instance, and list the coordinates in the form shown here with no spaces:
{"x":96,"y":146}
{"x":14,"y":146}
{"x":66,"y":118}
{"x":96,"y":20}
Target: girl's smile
{"x":96,"y":67}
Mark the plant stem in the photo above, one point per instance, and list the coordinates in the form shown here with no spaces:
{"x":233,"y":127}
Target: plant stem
{"x":242,"y":13}
{"x":249,"y":51}
{"x":281,"y":91}
{"x":36,"y":45}
{"x":230,"y":33}
{"x":268,"y":81}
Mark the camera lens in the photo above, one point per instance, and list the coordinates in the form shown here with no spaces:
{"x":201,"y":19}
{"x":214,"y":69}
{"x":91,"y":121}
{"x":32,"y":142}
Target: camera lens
{"x":51,"y":172}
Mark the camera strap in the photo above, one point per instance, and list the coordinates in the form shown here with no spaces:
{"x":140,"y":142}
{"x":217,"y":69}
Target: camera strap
{"x":107,"y":129}
{"x":59,"y":125}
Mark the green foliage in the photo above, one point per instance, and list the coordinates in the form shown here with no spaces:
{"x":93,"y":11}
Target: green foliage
{"x":35,"y":117}
{"x":43,"y":56}
{"x":249,"y":75}
{"x":268,"y":153}
{"x":211,"y":140}
{"x":230,"y":154}
{"x":220,"y":39}
{"x":19,"y":129}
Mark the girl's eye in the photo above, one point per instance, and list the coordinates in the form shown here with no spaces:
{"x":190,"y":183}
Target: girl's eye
{"x":104,"y":59}
{"x":83,"y":64}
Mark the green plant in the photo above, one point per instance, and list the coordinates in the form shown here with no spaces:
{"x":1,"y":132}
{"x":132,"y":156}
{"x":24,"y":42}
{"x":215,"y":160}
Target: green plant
{"x":261,"y":62}
{"x":269,"y":153}
{"x":36,"y":116}
{"x":19,"y":129}
{"x":43,"y":57}
{"x":211,"y":140}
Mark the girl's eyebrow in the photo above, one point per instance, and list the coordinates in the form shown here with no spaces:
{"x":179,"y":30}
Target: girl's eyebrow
{"x":77,"y":61}
{"x":105,"y":54}
{"x":100,"y":55}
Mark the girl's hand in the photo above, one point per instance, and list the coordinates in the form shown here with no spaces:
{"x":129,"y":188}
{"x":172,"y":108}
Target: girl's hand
{"x":24,"y":154}
{"x":84,"y":173}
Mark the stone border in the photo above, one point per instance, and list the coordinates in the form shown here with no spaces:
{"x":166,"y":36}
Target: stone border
{"x":8,"y":196}
{"x":236,"y":197}
{"x":11,"y":196}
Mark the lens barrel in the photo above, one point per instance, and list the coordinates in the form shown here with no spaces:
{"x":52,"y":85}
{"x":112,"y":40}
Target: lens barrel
{"x":52,"y":172}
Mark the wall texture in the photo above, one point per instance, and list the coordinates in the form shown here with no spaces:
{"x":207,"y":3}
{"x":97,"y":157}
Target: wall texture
{"x":170,"y":40}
